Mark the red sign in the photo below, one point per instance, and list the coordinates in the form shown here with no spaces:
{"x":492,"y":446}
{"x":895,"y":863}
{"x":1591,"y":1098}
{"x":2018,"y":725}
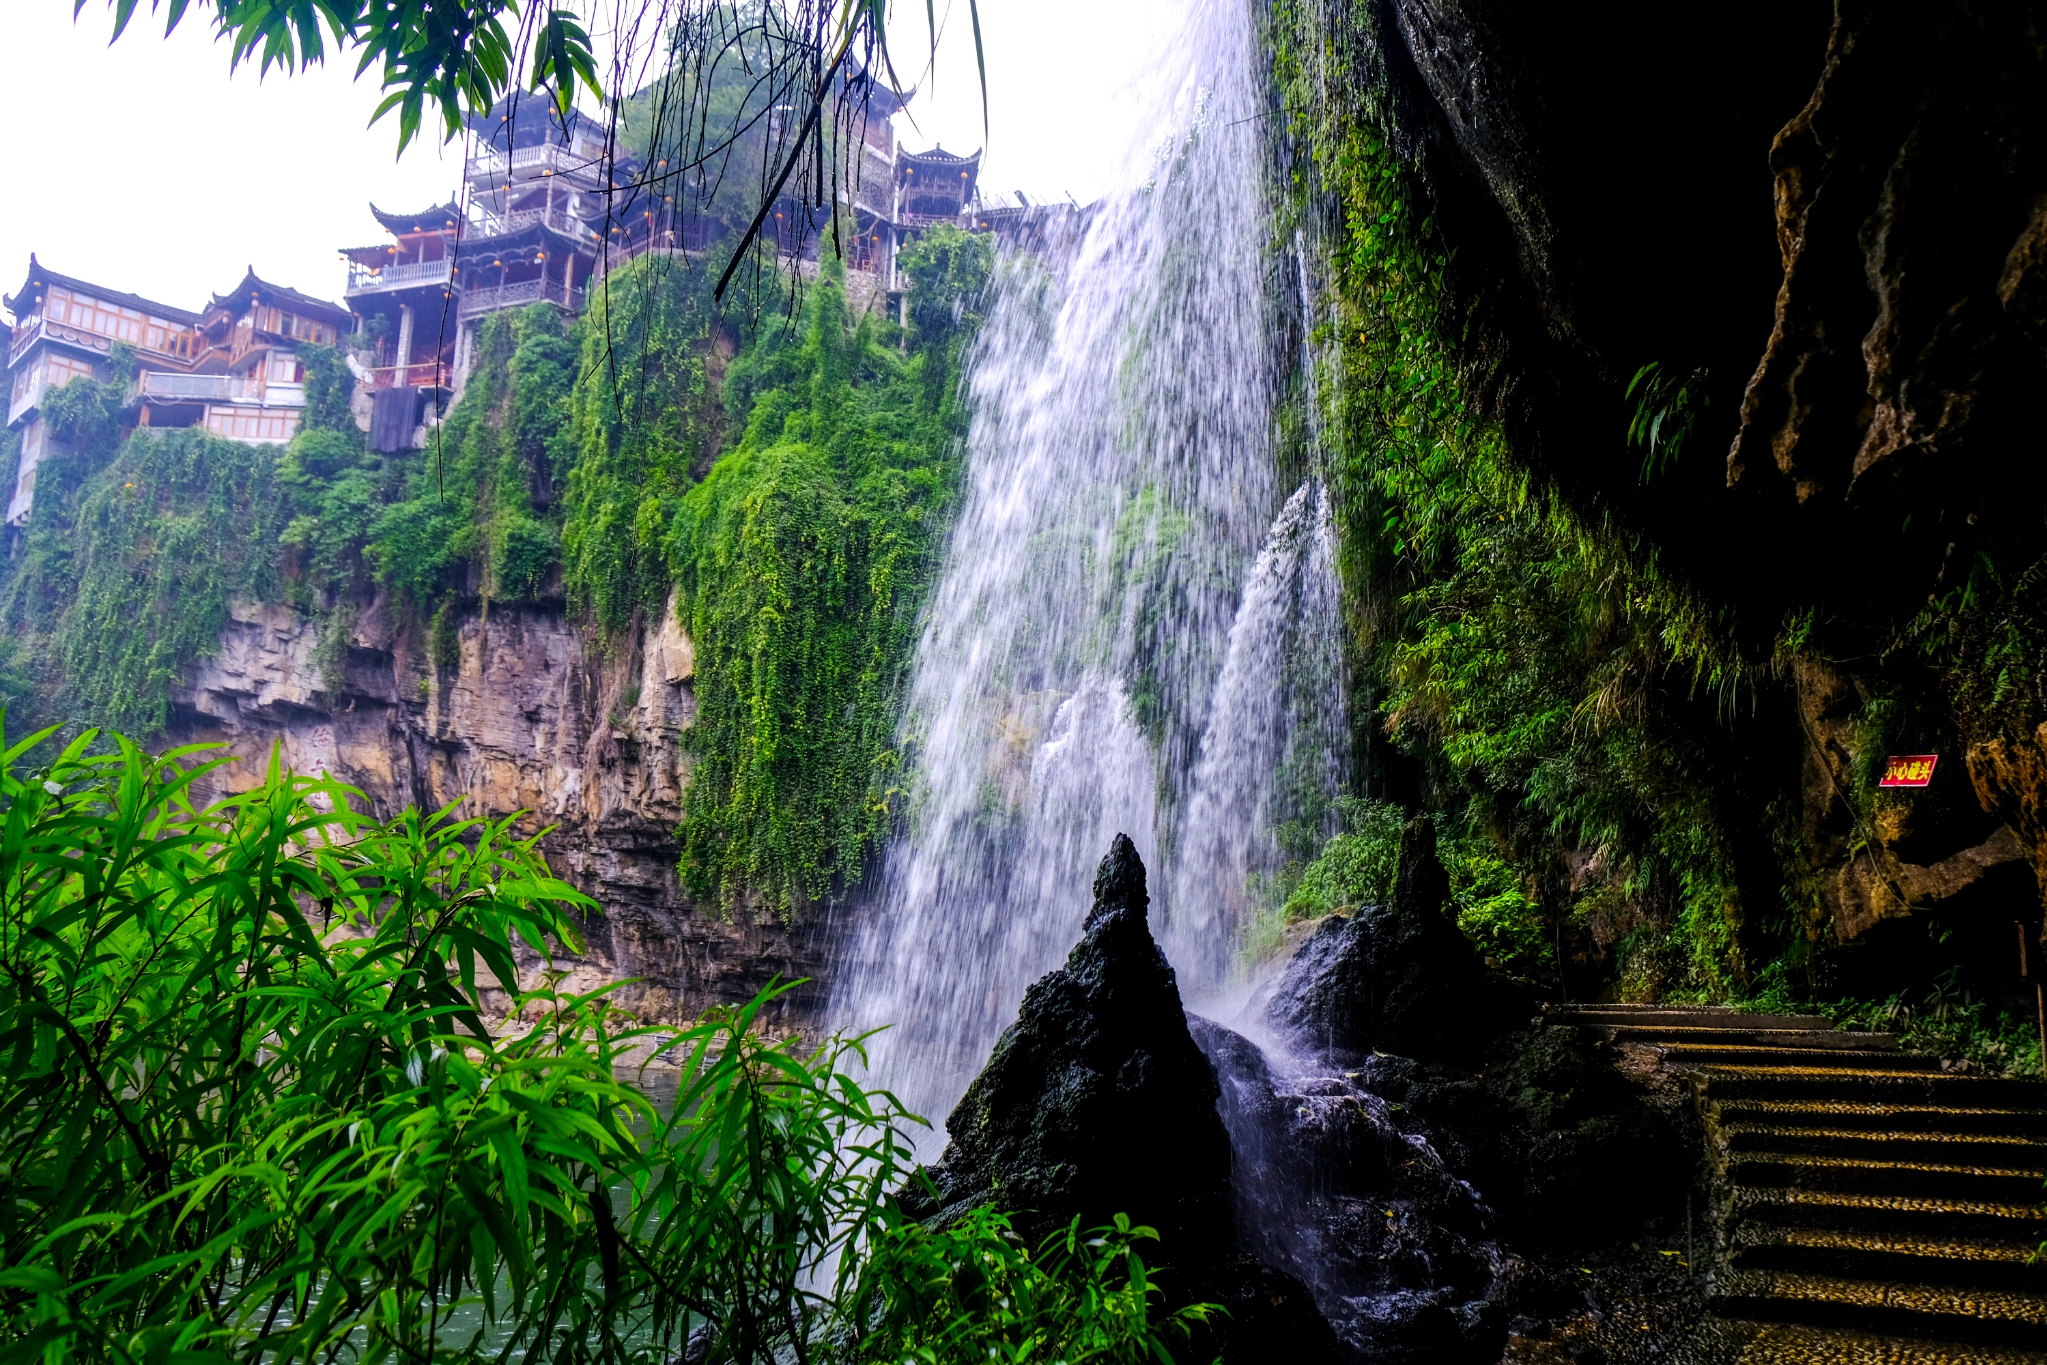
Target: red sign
{"x":1908,"y":770}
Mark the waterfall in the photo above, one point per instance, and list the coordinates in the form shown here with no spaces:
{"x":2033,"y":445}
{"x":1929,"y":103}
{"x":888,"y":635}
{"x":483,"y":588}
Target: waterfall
{"x":1129,"y":633}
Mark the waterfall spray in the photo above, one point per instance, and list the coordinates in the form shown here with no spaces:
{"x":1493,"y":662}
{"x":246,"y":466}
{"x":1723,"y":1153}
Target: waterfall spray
{"x":1116,"y":642}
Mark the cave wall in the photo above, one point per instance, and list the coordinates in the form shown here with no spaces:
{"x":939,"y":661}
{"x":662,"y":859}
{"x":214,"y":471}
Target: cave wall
{"x":533,"y":718}
{"x":1837,"y":212}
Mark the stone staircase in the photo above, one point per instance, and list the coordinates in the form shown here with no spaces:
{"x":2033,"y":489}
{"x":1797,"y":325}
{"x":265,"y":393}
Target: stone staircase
{"x":1866,"y":1205}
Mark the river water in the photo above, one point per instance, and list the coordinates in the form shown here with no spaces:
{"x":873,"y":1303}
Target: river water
{"x":1135,"y":626}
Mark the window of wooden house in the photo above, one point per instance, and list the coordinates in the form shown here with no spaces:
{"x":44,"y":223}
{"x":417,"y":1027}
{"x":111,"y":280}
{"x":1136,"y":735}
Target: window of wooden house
{"x":251,"y":424}
{"x":107,"y":319}
{"x":50,"y":370}
{"x":60,"y":369}
{"x":284,"y":368}
{"x":25,"y":379}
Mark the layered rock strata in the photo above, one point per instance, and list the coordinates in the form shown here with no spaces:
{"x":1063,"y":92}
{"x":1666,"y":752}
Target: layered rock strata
{"x":530,"y":716}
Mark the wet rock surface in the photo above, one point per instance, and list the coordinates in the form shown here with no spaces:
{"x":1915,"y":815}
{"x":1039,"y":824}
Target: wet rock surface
{"x":1397,"y":979}
{"x":1096,"y":1101}
{"x":1498,"y":1183}
{"x":1517,"y":1186}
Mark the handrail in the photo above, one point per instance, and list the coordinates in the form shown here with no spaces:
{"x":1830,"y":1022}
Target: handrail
{"x":155,"y":384}
{"x":364,"y":278}
{"x":407,"y":376}
{"x":478,"y":301}
{"x":552,"y":157}
{"x":520,"y":219}
{"x":219,"y":388}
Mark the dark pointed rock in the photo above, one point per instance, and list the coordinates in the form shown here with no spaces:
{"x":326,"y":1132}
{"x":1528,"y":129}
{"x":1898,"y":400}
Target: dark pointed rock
{"x":1097,"y":1101}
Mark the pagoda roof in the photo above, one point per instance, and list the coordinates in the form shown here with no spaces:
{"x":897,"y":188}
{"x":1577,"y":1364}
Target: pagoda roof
{"x":881,"y":97}
{"x":41,"y":276}
{"x":251,"y":283}
{"x":925,"y":171}
{"x":439,"y":218}
{"x":939,"y":157}
{"x":528,"y":119}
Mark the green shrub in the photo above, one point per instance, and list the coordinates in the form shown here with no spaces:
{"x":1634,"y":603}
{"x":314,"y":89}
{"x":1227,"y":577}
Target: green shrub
{"x":128,"y":564}
{"x":1356,"y":867}
{"x":645,"y":421}
{"x":1949,"y":1022}
{"x":801,"y":561}
{"x":254,"y":1107}
{"x":467,"y":501}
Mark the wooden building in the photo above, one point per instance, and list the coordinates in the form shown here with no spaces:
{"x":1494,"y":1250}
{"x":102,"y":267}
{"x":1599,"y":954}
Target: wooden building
{"x":538,"y":189}
{"x":232,"y":368}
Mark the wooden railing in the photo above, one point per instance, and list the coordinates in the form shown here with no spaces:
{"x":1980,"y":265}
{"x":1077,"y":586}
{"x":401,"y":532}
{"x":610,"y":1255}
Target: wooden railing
{"x":408,"y":376}
{"x":476,"y":301}
{"x":363,"y":279}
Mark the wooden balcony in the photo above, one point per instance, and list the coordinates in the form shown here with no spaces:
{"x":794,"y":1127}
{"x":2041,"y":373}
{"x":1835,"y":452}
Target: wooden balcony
{"x":476,"y":302}
{"x":363,"y":280}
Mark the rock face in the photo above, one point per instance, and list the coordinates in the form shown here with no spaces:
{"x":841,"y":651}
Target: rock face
{"x":1328,"y":1183}
{"x":1433,"y":1199}
{"x":530,"y":718}
{"x":1399,"y":978}
{"x":1097,"y":1101}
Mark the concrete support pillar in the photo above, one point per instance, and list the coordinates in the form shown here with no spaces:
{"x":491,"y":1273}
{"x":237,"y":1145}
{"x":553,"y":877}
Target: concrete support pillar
{"x":404,"y":337}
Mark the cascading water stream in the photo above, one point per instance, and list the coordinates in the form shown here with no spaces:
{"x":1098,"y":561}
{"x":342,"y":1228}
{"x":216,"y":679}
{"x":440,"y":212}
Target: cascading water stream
{"x":1123,"y":638}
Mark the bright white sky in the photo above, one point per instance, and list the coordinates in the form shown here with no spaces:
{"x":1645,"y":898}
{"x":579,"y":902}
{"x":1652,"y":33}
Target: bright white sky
{"x":144,"y":167}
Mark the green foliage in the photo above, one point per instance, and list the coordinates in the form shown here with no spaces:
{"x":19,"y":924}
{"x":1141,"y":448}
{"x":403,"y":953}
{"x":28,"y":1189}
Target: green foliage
{"x":973,"y":1293}
{"x":447,"y":57}
{"x":467,"y":503}
{"x":1494,"y":909}
{"x":443,"y":642}
{"x":334,"y":494}
{"x":1560,"y":690}
{"x":233,"y":1133}
{"x":646,"y":424}
{"x":801,"y":560}
{"x":128,"y":563}
{"x":1951,"y":1023}
{"x":1667,"y":407}
{"x":330,"y":388}
{"x":1356,"y":867}
{"x":1358,"y":864}
{"x":949,"y":268}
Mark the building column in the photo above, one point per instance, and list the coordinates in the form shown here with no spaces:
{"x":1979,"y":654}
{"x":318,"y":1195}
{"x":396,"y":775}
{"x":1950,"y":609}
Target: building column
{"x":404,"y":338}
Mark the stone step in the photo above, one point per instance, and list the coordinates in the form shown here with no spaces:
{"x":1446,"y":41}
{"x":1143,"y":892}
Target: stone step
{"x":1937,"y":1089}
{"x":1857,"y":1116}
{"x":1746,"y":1057}
{"x":1949,"y":1312}
{"x":1966,"y":1149}
{"x":1907,"y":1260}
{"x":1833,"y":1039}
{"x":1788,"y":1343}
{"x":1664,"y":1016}
{"x":1915,"y":1218}
{"x":2018,"y":1246}
{"x":1913,"y":1179}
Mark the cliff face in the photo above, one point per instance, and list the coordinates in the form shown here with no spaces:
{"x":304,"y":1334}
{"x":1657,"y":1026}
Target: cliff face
{"x":1828,"y":214}
{"x":533,"y":718}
